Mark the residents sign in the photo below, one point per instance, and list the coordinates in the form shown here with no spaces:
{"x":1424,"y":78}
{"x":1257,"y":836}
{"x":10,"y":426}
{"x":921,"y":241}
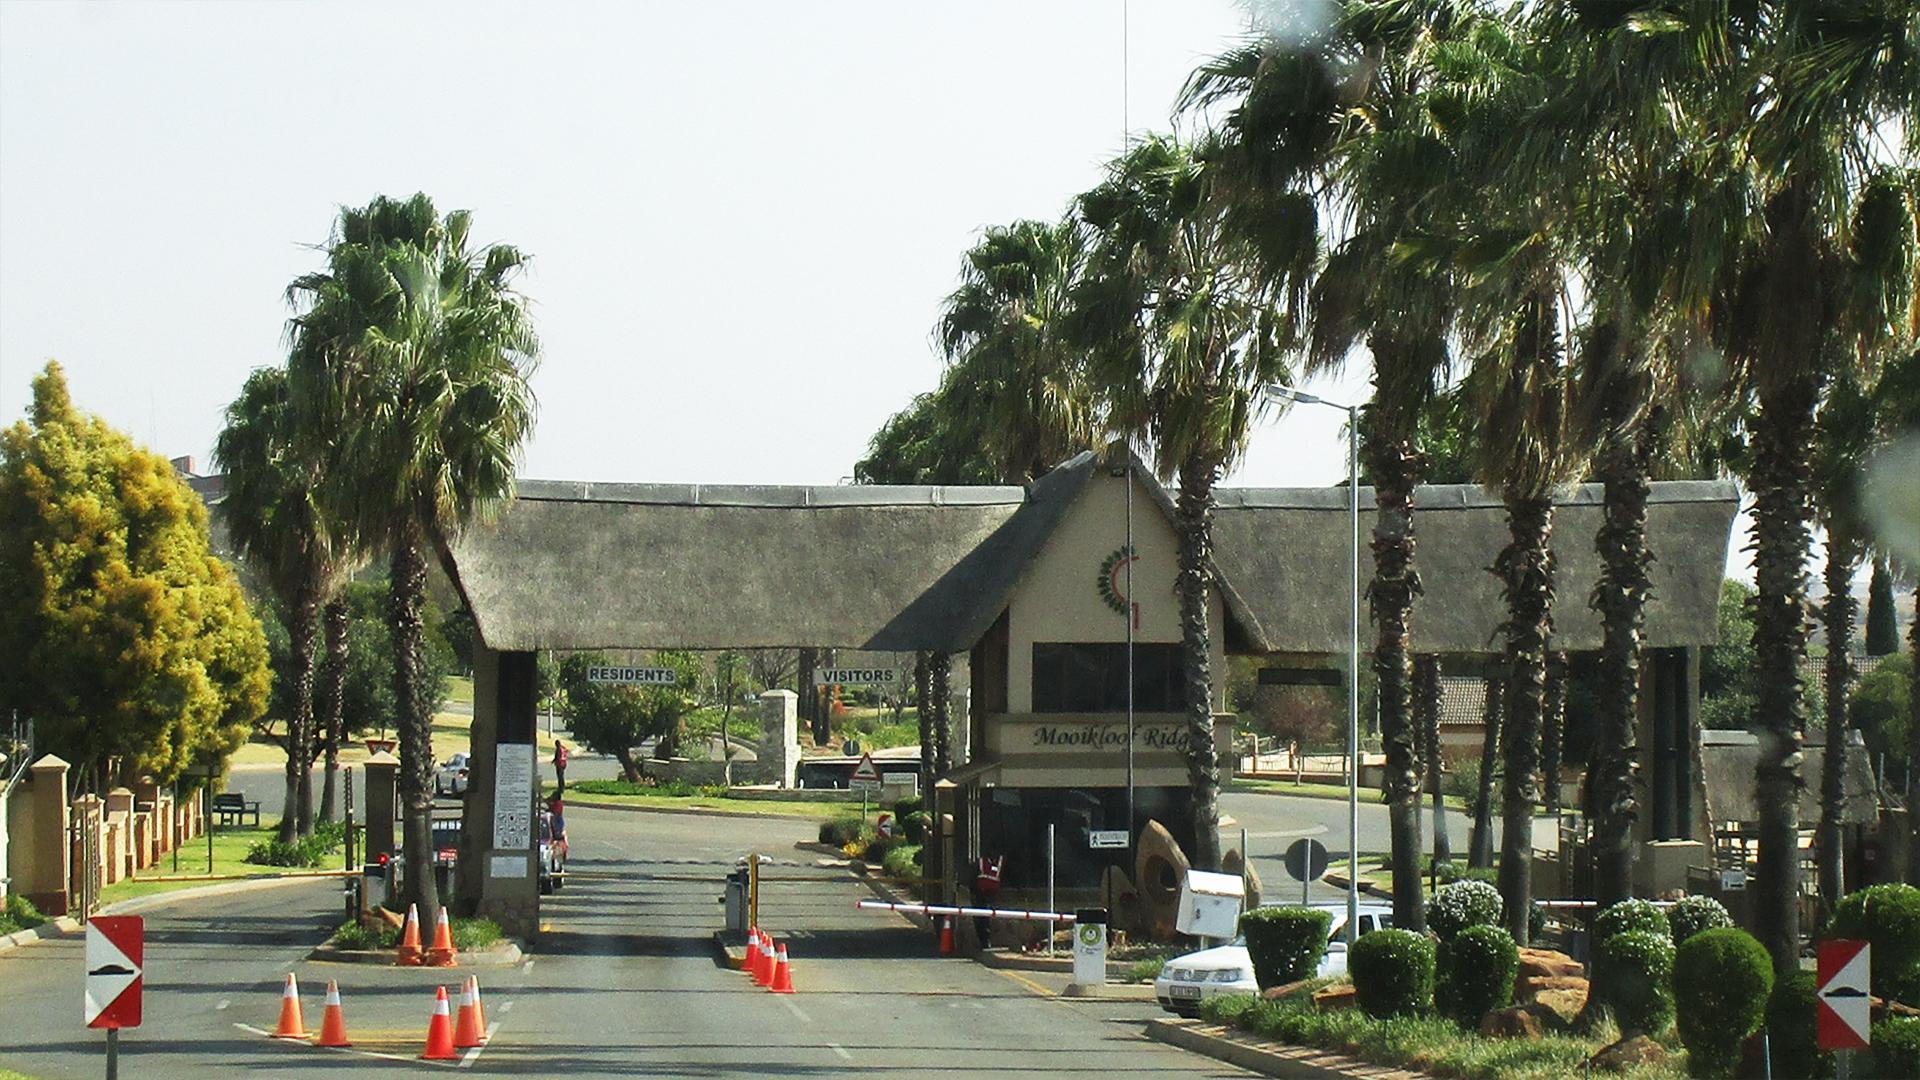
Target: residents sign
{"x":634,"y":676}
{"x":856,"y":676}
{"x":116,"y":946}
{"x":1845,"y":1012}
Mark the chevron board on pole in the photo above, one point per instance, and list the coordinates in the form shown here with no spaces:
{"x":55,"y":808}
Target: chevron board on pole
{"x":116,"y":950}
{"x":1845,"y":1011}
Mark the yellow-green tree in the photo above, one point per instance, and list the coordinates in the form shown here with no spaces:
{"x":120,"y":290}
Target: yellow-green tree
{"x":127,"y":641}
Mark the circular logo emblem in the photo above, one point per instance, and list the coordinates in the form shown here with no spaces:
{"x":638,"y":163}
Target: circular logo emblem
{"x":1089,"y":935}
{"x":1113,"y":571}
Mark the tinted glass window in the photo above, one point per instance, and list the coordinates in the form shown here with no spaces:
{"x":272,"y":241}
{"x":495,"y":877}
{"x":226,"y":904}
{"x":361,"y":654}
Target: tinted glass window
{"x":1092,"y":678}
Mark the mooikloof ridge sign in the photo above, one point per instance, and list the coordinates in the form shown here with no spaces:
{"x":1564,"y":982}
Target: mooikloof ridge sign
{"x":1109,"y":736}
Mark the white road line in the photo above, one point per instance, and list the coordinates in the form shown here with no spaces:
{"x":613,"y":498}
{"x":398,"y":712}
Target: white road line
{"x":836,"y":1048}
{"x":264,"y":1033}
{"x":474,"y":1054}
{"x":526,"y":967}
{"x":224,"y":1002}
{"x":798,"y":1012}
{"x":505,"y":1007}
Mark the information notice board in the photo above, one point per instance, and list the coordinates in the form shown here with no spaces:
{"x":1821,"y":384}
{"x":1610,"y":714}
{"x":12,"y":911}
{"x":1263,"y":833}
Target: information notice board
{"x":513,"y":796}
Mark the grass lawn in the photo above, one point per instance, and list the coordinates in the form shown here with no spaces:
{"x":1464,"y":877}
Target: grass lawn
{"x":452,"y":734}
{"x":460,"y":689}
{"x":230,"y":844}
{"x":620,"y":793}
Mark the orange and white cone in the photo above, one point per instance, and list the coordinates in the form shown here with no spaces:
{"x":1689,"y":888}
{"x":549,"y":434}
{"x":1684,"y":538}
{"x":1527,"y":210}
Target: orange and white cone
{"x":333,"y":1026}
{"x":946,"y":935}
{"x":782,"y":974}
{"x":443,"y":953}
{"x":468,"y":1033}
{"x":409,"y":954}
{"x":479,"y":1006}
{"x":763,"y":974}
{"x":752,"y":964}
{"x":440,"y":1032}
{"x":291,"y":1024}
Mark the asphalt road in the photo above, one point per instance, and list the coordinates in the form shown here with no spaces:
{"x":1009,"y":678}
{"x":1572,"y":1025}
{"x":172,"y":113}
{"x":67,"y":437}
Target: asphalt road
{"x":626,"y":983}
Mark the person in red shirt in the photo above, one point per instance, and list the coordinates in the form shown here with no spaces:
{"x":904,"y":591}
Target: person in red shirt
{"x":560,"y":756}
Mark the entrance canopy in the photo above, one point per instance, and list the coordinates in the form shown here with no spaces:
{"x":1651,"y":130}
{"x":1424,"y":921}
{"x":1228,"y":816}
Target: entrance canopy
{"x":575,"y":565}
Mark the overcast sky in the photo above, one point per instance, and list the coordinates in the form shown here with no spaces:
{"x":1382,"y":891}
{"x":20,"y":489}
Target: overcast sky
{"x":743,"y":215}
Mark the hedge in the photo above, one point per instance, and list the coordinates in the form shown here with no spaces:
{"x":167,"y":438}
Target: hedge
{"x":1790,"y":1028}
{"x":1286,"y":943}
{"x":1633,"y":978}
{"x":1692,"y":914}
{"x":1462,"y":904}
{"x":1896,"y":1048}
{"x":1476,"y":970}
{"x":1630,"y":916}
{"x":1888,"y":916}
{"x":1721,"y":981}
{"x":1392,"y":972}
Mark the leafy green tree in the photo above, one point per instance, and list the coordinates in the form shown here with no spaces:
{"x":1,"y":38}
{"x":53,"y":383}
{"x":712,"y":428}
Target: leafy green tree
{"x":128,"y":641}
{"x":1883,"y":626}
{"x":614,"y":719}
{"x":423,"y":339}
{"x":1881,"y":707}
{"x":1189,"y":311}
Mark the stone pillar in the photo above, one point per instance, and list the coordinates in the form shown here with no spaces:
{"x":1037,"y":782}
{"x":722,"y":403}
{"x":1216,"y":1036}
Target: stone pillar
{"x":151,"y":796}
{"x":120,"y":833}
{"x":780,"y":733}
{"x":504,"y":746}
{"x":382,"y":771}
{"x":39,"y":859}
{"x":90,"y":834}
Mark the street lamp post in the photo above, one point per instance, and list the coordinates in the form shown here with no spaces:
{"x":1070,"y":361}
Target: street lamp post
{"x":1353,"y":649}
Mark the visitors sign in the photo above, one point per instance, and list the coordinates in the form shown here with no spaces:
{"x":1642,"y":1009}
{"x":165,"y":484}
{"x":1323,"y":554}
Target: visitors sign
{"x":851,"y":676}
{"x":116,"y":947}
{"x":1845,"y":1012}
{"x":634,"y":676}
{"x":1107,"y":838}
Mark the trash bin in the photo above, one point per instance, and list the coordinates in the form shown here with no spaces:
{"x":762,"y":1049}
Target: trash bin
{"x":736,"y":901}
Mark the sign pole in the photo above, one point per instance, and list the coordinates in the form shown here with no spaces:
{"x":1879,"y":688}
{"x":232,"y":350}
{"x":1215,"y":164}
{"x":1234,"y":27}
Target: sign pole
{"x":1050,"y":906}
{"x":113,"y":1053}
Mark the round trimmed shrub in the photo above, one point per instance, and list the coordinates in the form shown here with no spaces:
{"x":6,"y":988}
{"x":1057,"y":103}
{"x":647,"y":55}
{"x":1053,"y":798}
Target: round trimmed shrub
{"x":1896,"y":1047}
{"x":1392,"y":972}
{"x":1694,"y":914}
{"x":1721,"y":980}
{"x":1286,"y":943}
{"x":1633,"y":978}
{"x":1477,"y":966}
{"x":1462,"y":904}
{"x":1888,"y":916}
{"x":1790,"y":1028}
{"x":1630,"y":916}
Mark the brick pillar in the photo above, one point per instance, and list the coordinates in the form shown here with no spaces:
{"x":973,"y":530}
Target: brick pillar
{"x":780,"y":737}
{"x":382,"y":770}
{"x":37,"y":827}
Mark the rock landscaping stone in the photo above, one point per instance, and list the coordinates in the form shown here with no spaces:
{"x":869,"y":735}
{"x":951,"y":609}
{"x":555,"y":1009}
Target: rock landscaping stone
{"x":1547,"y":963}
{"x":1275,"y":993}
{"x":1628,"y":1053}
{"x":1565,"y":1005}
{"x":1518,"y":1022}
{"x":1334,"y":997}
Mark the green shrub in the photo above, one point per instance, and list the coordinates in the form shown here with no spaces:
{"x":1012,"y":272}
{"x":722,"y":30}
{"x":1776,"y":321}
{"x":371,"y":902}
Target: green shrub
{"x":281,"y":853}
{"x":1286,"y":943}
{"x":1694,"y":914}
{"x":352,"y":935}
{"x":903,"y":860}
{"x":1888,"y":916}
{"x":1392,"y":972}
{"x":1227,"y":1008}
{"x":1144,"y":971}
{"x":19,"y":914}
{"x":1449,"y":871}
{"x":841,"y":831}
{"x":474,"y":933}
{"x":1721,"y":980}
{"x":1462,"y":904}
{"x":1790,"y":1028}
{"x":1896,"y":1048}
{"x":1476,"y":970}
{"x":1633,"y":979}
{"x":907,"y":807}
{"x":916,"y":826}
{"x":1630,"y":916}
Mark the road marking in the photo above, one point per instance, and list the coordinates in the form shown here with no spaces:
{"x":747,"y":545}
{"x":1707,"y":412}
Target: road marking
{"x":264,"y":1033}
{"x":224,"y":1002}
{"x":798,"y":1012}
{"x":505,"y":1007}
{"x":1311,"y":830}
{"x":526,"y":967}
{"x":474,"y":1054}
{"x":1026,"y":982}
{"x":836,"y":1048}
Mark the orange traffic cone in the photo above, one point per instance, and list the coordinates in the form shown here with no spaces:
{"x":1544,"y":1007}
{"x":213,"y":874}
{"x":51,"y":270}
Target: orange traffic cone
{"x":291,"y":1025}
{"x":752,"y":966}
{"x":946,"y":935}
{"x":409,"y":955}
{"x":468,"y":1032}
{"x":333,"y":1026}
{"x":782,"y":974}
{"x":766,"y":962}
{"x":440,"y":1032}
{"x":479,"y":1006}
{"x":443,"y":954}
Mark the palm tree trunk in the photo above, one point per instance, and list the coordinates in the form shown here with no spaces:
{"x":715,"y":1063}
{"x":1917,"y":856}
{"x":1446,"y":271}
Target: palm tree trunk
{"x":1526,"y":567}
{"x":1394,"y":463}
{"x":1781,"y":520}
{"x":1913,"y":744}
{"x":1620,"y":596}
{"x":1553,"y":732}
{"x":405,"y":598}
{"x":1193,"y":524}
{"x":303,"y":624}
{"x":939,"y":672}
{"x":334,"y":671}
{"x":1480,"y":837}
{"x":922,"y":680}
{"x":1426,"y":705}
{"x":1843,"y":556}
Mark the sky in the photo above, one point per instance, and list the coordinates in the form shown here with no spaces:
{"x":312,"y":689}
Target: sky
{"x":743,"y":216}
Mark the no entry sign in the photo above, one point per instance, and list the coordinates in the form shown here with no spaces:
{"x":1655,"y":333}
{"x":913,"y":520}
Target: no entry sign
{"x":115,"y":952}
{"x":1845,"y":1011}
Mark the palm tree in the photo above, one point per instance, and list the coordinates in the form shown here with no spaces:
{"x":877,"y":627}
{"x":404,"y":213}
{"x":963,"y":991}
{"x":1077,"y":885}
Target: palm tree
{"x":333,"y":676}
{"x":1188,"y":312}
{"x":1426,"y":709}
{"x":271,"y":514}
{"x":424,"y":340}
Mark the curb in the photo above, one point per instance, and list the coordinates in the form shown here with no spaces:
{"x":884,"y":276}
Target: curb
{"x":225,"y":888}
{"x":631,"y":808}
{"x":508,"y":955}
{"x":57,"y":927}
{"x":734,"y":955}
{"x":1267,"y":1058}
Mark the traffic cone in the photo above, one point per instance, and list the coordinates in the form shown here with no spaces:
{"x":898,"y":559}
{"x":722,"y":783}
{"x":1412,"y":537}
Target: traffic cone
{"x":468,"y":1033}
{"x":479,"y":1006}
{"x":440,"y":1032}
{"x":946,"y":935}
{"x":443,"y":953}
{"x":763,"y":976}
{"x":782,"y":974}
{"x":756,"y":953}
{"x":291,"y":1025}
{"x":409,"y":955}
{"x":333,"y":1026}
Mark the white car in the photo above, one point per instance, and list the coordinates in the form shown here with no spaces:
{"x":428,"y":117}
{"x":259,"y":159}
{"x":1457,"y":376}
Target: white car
{"x":451,"y":777}
{"x":1187,"y":981}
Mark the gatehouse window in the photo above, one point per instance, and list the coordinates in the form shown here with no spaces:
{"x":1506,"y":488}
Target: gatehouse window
{"x":1091,"y":677}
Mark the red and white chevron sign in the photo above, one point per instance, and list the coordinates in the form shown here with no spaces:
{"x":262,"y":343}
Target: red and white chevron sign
{"x":1845,"y":1010}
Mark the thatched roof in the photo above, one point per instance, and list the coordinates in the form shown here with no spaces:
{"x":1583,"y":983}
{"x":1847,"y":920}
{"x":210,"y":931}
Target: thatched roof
{"x":588,"y":565}
{"x":1728,"y":759}
{"x":1287,"y":550}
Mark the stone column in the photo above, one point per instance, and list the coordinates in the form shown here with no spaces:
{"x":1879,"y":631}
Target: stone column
{"x":503,"y":739}
{"x":120,"y":833}
{"x":41,"y":862}
{"x":382,"y":771}
{"x":780,"y":738}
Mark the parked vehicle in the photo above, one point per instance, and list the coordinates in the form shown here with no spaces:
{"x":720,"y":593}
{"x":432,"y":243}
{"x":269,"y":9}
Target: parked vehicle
{"x":1187,"y":981}
{"x":451,"y":777}
{"x":553,"y":853}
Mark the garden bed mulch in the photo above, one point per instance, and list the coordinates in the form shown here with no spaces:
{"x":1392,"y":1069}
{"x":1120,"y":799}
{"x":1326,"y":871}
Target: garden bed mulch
{"x":503,"y":953}
{"x":1267,"y":1057}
